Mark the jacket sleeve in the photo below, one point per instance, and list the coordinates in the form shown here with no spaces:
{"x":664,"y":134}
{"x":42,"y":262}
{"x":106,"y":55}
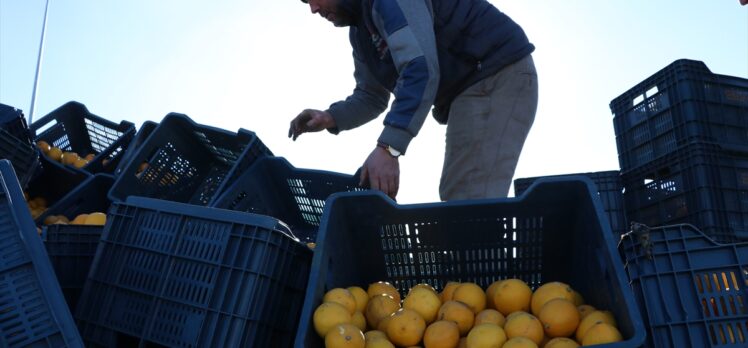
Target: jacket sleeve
{"x":369,"y":100}
{"x":407,"y":26}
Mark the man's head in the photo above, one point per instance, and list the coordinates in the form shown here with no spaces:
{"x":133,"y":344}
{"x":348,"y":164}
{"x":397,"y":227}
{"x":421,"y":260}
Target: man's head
{"x":334,"y":11}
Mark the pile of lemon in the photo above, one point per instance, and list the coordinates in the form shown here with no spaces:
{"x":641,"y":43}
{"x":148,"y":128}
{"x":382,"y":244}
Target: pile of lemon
{"x":508,"y":314}
{"x":37,"y":205}
{"x":67,"y":158}
{"x":95,"y":218}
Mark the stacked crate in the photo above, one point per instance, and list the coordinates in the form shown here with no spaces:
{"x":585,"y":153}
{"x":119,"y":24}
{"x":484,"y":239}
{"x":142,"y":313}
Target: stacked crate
{"x":682,"y":138}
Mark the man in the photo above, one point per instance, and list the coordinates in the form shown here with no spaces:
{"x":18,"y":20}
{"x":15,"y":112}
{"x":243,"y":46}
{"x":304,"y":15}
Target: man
{"x":464,"y":57}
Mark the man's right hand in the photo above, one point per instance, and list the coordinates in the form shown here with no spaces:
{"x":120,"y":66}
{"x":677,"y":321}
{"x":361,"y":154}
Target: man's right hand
{"x":310,"y":120}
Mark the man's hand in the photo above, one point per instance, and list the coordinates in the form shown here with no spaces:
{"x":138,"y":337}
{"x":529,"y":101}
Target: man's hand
{"x":310,"y":120}
{"x":383,"y":172}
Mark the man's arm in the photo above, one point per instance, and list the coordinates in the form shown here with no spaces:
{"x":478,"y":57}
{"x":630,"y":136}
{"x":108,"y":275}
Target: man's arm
{"x":369,"y":100}
{"x":408,"y":28}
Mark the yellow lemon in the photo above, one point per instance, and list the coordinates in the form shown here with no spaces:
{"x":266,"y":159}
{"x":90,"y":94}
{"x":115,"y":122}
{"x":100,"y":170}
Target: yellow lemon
{"x":441,"y":334}
{"x":406,"y":328}
{"x":486,"y":336}
{"x":329,"y":315}
{"x":425,"y":302}
{"x":342,"y":296}
{"x":344,"y":336}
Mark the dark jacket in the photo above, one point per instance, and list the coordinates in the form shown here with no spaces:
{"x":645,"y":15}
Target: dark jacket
{"x":425,"y":53}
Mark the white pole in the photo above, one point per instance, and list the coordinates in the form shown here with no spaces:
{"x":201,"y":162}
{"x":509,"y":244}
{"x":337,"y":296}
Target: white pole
{"x":38,"y":65}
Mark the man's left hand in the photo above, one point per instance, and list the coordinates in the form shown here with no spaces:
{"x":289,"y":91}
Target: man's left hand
{"x":383,"y":172}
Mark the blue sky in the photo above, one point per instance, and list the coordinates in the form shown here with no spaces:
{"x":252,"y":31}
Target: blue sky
{"x":255,"y":65}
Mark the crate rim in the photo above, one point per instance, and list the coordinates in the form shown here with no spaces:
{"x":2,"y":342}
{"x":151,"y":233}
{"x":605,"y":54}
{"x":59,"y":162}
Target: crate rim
{"x":75,"y":104}
{"x":613,"y":172}
{"x":175,"y":117}
{"x":651,"y":80}
{"x":209,"y":213}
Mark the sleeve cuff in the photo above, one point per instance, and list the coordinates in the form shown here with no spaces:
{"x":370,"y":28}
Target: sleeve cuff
{"x":343,"y":121}
{"x":398,"y":138}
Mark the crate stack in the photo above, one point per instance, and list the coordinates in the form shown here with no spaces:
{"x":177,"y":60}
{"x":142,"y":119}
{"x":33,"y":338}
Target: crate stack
{"x":682,"y":138}
{"x":198,"y":248}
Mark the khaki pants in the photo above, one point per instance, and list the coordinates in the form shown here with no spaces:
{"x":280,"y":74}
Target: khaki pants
{"x":487,"y":127}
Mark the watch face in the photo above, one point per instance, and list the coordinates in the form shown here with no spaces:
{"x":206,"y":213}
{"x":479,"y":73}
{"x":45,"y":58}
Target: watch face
{"x":393,"y":152}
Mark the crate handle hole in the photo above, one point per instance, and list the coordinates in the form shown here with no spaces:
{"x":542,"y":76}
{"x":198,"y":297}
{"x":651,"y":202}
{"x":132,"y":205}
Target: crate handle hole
{"x":45,"y":127}
{"x":652,"y":91}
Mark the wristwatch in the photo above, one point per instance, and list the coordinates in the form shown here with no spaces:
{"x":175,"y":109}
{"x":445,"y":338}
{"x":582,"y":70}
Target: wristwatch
{"x":393,"y":152}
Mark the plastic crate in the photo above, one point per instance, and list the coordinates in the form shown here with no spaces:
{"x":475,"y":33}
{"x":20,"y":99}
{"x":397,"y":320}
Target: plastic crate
{"x":295,"y":196}
{"x":33,"y":312}
{"x":71,"y":127}
{"x":187,"y":162}
{"x":182,"y":275}
{"x":680,"y":103}
{"x":609,"y":187}
{"x":71,"y":250}
{"x":691,"y":290}
{"x":144,"y":131}
{"x":24,"y":157}
{"x":55,"y":182}
{"x":13,"y":121}
{"x":554,"y":232}
{"x":701,"y":184}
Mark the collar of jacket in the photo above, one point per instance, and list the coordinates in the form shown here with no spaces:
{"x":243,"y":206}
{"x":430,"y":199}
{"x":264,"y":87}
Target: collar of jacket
{"x":353,"y":8}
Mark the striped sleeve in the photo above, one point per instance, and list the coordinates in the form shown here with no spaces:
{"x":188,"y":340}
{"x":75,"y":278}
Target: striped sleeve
{"x":407,"y":27}
{"x":369,"y":100}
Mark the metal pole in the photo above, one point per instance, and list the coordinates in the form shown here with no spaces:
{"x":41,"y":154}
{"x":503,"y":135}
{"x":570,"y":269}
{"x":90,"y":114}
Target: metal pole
{"x":38,"y":65}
